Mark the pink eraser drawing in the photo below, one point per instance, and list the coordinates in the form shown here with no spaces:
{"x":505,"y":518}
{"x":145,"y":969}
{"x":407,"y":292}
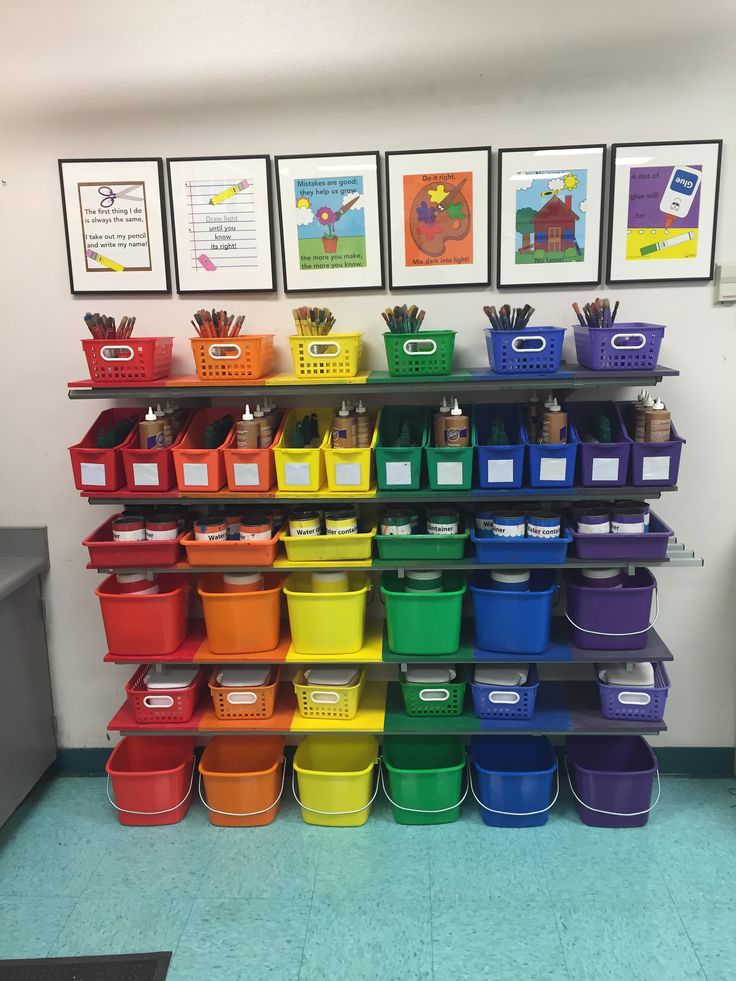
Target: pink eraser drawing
{"x":206,"y":263}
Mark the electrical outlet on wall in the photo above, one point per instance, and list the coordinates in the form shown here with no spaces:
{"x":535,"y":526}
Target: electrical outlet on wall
{"x":725,"y":282}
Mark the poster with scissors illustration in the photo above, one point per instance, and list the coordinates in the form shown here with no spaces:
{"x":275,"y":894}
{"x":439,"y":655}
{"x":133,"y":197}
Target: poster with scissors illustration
{"x":221,"y":224}
{"x":438,"y":216}
{"x":115,"y":226}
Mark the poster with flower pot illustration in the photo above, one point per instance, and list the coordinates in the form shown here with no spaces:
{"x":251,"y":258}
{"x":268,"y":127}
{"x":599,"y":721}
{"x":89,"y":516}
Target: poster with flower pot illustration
{"x":438,"y":217}
{"x":330,"y":217}
{"x":550,"y":216}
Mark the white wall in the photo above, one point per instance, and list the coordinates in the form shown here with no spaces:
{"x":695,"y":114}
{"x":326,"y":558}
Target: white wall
{"x":179,"y":77}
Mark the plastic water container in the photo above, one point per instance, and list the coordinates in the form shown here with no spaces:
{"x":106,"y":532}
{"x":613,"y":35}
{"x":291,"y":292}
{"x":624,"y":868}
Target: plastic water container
{"x":611,"y":780}
{"x":513,"y":622}
{"x":513,"y":780}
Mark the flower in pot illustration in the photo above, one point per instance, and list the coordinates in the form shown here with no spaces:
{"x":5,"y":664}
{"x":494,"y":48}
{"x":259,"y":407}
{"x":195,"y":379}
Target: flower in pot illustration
{"x":327,"y":217}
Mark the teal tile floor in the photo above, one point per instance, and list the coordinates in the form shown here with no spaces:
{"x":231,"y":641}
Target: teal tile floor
{"x":291,"y":902}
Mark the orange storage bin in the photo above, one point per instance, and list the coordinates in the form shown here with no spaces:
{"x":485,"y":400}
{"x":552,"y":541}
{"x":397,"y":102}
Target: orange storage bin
{"x":230,"y":553}
{"x":147,"y":624}
{"x":151,"y":470}
{"x":222,"y":359}
{"x":241,"y":623}
{"x":252,"y":470}
{"x":102,"y":469}
{"x":243,"y":702}
{"x":198,"y":469}
{"x":243,"y":778}
{"x":152,"y":779}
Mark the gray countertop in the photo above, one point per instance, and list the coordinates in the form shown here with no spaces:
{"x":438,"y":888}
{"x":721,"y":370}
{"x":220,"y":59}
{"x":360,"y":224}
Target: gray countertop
{"x":23,"y":556}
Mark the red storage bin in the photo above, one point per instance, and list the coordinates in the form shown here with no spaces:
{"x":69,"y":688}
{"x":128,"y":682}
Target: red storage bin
{"x":198,"y":469}
{"x":104,"y":553}
{"x":102,"y":469}
{"x":145,"y":624}
{"x":252,"y":470}
{"x":152,"y":779}
{"x":152,"y":470}
{"x":164,"y":705}
{"x":129,"y":359}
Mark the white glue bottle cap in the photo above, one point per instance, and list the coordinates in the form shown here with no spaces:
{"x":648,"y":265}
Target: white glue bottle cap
{"x":168,"y":408}
{"x":534,"y":397}
{"x":159,"y":411}
{"x":648,"y":402}
{"x":554,"y":406}
{"x":344,"y":411}
{"x":550,"y":400}
{"x":642,"y":396}
{"x":360,"y":408}
{"x":259,"y":413}
{"x":150,"y":415}
{"x":456,"y":410}
{"x":248,"y":415}
{"x":659,"y":404}
{"x":444,"y":407}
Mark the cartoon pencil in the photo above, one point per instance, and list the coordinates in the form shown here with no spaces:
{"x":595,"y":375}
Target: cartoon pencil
{"x":230,"y":192}
{"x":666,"y":243}
{"x":104,"y":261}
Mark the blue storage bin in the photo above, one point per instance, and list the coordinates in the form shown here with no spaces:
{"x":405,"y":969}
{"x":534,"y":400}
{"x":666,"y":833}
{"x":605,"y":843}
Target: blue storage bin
{"x":506,"y":701}
{"x":511,"y":622}
{"x":531,"y":351}
{"x":553,"y":464}
{"x":514,"y":778}
{"x":500,"y":466}
{"x":521,"y":551}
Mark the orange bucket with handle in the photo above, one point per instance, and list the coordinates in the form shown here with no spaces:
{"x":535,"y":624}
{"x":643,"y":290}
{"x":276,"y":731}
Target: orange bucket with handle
{"x":243,"y":779}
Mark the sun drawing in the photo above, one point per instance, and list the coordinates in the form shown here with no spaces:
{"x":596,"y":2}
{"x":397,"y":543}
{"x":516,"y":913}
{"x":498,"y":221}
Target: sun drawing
{"x":303,"y":203}
{"x":570,"y":182}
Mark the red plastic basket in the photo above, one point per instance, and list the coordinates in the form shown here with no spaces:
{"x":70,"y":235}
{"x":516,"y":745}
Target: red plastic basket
{"x":152,"y":779}
{"x":164,"y":705}
{"x":152,"y":470}
{"x":132,"y":359}
{"x":145,"y":624}
{"x":102,"y":469}
{"x":104,"y":553}
{"x":198,"y":469}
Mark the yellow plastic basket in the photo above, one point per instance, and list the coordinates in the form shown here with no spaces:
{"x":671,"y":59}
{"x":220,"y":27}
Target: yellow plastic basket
{"x":331,"y":356}
{"x":326,"y":623}
{"x":330,"y":548}
{"x":302,"y":470}
{"x":351,"y":469}
{"x":328,"y":701}
{"x":335,"y":775}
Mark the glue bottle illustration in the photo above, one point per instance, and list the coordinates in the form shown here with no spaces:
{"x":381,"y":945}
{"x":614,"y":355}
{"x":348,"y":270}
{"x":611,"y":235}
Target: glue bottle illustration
{"x":679,"y":194}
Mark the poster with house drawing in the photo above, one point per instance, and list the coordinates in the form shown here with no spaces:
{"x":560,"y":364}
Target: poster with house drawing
{"x":550,"y":216}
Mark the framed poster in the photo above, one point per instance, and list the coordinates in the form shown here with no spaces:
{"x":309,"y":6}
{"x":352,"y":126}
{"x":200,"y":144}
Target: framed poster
{"x":662,"y":214}
{"x":438,"y":217}
{"x":221,"y":224}
{"x":550,"y":216}
{"x":330,"y":217}
{"x":115,"y":226}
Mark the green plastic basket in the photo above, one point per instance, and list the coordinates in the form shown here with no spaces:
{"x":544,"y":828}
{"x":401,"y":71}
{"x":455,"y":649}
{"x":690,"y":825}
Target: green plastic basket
{"x":429,"y":352}
{"x":435,"y":698}
{"x":425,"y":778}
{"x":428,"y":547}
{"x":400,"y":468}
{"x":423,"y":624}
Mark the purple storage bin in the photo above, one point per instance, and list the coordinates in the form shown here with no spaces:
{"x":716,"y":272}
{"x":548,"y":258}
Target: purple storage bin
{"x":635,"y":704}
{"x":600,"y":464}
{"x":553,"y":464}
{"x":500,"y":466}
{"x":506,"y":701}
{"x":652,"y":464}
{"x":533,"y":350}
{"x":652,"y":545}
{"x":620,"y":348}
{"x":611,"y":619}
{"x":611,"y":778}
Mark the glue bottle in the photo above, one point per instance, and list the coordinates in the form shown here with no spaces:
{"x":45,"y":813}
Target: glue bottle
{"x":657,"y":423}
{"x":151,"y":431}
{"x":554,"y":424}
{"x":640,"y":414}
{"x":457,"y":427}
{"x":247,"y":431}
{"x":342,"y":429}
{"x":265,"y":434}
{"x":439,"y":423}
{"x":363,"y":426}
{"x":168,"y":431}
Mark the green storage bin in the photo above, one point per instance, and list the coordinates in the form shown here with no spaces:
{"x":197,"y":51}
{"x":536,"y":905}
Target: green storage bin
{"x":425,"y":778}
{"x":450,"y":467}
{"x":400,"y":468}
{"x":434,"y":698}
{"x":427,"y":547}
{"x":428,"y":352}
{"x":423,"y":624}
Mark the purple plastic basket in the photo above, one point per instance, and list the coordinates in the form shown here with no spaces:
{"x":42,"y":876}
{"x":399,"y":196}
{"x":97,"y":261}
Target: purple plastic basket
{"x":533,"y":350}
{"x":618,"y":348}
{"x":652,"y":464}
{"x":600,"y":464}
{"x":635,"y":704}
{"x":613,"y":775}
{"x":506,"y":701}
{"x":652,"y":545}
{"x":611,"y":619}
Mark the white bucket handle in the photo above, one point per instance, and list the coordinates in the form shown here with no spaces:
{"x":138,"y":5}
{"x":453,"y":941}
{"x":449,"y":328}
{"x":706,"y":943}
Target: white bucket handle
{"x":168,"y":810}
{"x":518,"y":814}
{"x":516,"y":344}
{"x":421,"y":810}
{"x":420,"y":348}
{"x":158,"y":701}
{"x":313,"y":810}
{"x":115,"y":352}
{"x":628,"y":347}
{"x":321,"y":349}
{"x":626,"y":633}
{"x":433,"y":694}
{"x":216,"y":352}
{"x":620,"y":814}
{"x":245,"y":814}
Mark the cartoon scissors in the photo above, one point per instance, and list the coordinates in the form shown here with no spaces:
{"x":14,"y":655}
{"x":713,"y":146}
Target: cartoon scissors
{"x":109,"y":196}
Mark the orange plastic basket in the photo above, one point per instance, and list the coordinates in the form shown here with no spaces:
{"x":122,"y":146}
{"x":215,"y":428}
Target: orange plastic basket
{"x":252,"y":470}
{"x":222,"y":359}
{"x":198,"y":469}
{"x":230,"y":553}
{"x":147,"y":624}
{"x":241,"y":623}
{"x":244,"y":703}
{"x":243,"y":779}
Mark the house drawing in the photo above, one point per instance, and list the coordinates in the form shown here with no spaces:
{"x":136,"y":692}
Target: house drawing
{"x":554,"y":226}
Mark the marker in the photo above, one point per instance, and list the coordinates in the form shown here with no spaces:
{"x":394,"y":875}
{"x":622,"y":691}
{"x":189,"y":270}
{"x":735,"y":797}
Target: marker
{"x":207,"y":263}
{"x":230,"y":192}
{"x":679,"y":194}
{"x":104,"y":261}
{"x":667,"y":243}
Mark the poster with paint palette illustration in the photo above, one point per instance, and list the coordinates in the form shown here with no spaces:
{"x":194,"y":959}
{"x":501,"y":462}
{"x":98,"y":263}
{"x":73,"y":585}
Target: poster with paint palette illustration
{"x":221,"y":223}
{"x":438,"y":212}
{"x":663,"y":211}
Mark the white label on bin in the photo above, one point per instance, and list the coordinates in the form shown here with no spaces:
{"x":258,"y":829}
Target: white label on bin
{"x":449,"y":473}
{"x":552,"y":468}
{"x":298,"y":474}
{"x":246,"y":474}
{"x":398,"y":473}
{"x":605,"y":468}
{"x":656,"y":468}
{"x":93,"y":474}
{"x":347,"y":474}
{"x":145,"y":474}
{"x":195,"y":474}
{"x":500,"y":471}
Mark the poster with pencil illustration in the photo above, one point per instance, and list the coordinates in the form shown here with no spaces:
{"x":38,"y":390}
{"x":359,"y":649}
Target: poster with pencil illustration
{"x":438,"y":213}
{"x":663,"y":211}
{"x":330,"y":218}
{"x":221,"y":224}
{"x":114,"y":224}
{"x":550,"y":203}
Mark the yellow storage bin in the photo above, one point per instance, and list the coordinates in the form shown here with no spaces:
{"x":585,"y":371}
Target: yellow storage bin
{"x":352,"y":469}
{"x":327,"y":701}
{"x":330,"y":548}
{"x":302,"y":470}
{"x":335,"y":775}
{"x":326,"y":623}
{"x":330,"y":356}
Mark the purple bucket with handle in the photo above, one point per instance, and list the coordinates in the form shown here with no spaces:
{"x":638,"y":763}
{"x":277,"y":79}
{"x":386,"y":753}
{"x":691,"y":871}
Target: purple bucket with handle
{"x":611,"y":779}
{"x":611,"y":619}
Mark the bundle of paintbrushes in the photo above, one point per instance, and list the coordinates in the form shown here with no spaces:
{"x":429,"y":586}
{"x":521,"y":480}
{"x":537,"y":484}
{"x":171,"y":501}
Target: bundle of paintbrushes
{"x":103,"y":328}
{"x":596,"y":314}
{"x":217,"y":323}
{"x":507,"y":318}
{"x":403,"y":320}
{"x":313,"y":321}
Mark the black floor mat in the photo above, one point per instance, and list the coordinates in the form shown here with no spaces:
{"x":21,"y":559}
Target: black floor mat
{"x":123,"y":967}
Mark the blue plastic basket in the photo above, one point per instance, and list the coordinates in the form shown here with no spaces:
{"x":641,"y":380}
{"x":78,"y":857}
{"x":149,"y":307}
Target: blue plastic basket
{"x":500,"y":466}
{"x":506,"y":701}
{"x":618,"y":348}
{"x":497,"y":550}
{"x":553,"y":464}
{"x":532,"y":351}
{"x":514,"y":776}
{"x":512,"y":622}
